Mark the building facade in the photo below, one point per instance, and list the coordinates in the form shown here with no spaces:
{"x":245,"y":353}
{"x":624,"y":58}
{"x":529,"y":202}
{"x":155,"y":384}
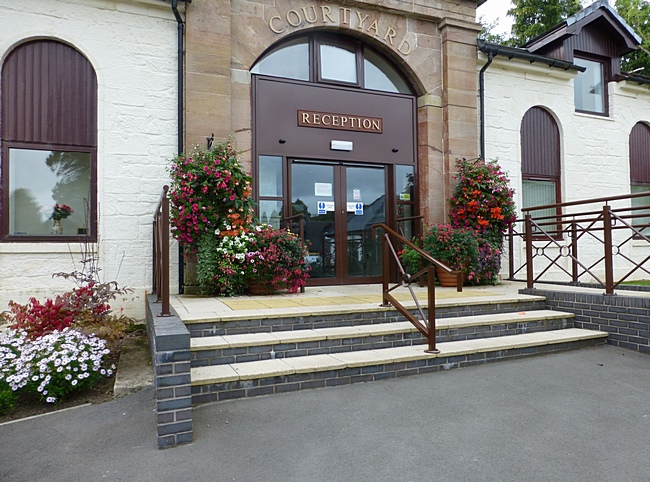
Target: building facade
{"x":347,"y":114}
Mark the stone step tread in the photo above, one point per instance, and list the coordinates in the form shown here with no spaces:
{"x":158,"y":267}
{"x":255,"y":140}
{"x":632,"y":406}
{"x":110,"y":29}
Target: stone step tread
{"x":337,"y":361}
{"x":205,"y":312}
{"x":378,"y":329}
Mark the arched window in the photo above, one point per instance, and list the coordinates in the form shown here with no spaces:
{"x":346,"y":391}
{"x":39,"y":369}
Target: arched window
{"x":49,"y":143}
{"x":332,"y":59}
{"x":640,"y":167}
{"x":540,"y":161}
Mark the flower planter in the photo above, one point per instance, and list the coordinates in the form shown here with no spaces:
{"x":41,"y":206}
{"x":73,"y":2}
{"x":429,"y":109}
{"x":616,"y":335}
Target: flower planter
{"x":445,"y":279}
{"x":261,"y":288}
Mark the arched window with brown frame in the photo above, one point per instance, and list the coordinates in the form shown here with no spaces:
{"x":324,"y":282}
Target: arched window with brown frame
{"x":48,"y":143}
{"x":540,"y":161}
{"x":640,"y":170}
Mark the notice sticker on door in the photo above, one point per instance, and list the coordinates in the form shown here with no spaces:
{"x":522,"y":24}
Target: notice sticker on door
{"x":321,"y":207}
{"x":356,"y":194}
{"x":329,"y":206}
{"x":358,"y":209}
{"x":350,"y":207}
{"x":404,"y":197}
{"x":322,"y":189}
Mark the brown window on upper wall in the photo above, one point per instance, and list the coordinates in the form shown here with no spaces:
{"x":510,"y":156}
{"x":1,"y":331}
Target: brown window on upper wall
{"x":590,"y":87}
{"x":540,"y":165}
{"x":48,"y":137}
{"x":640,"y":174}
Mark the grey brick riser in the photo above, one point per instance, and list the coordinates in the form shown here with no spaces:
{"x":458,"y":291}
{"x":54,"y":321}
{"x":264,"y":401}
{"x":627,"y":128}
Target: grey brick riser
{"x":288,"y":383}
{"x":289,"y":323}
{"x":329,"y":346}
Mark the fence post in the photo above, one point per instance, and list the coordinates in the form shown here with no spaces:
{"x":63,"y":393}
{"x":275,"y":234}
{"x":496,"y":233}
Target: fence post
{"x":511,"y":252}
{"x":431,"y":312}
{"x":574,"y":251}
{"x":385,"y":269}
{"x":607,"y":240}
{"x":529,"y":251}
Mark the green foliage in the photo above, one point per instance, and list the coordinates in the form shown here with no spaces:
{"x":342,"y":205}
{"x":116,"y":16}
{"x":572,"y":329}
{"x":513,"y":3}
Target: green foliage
{"x":8,"y":398}
{"x":457,"y":248}
{"x":637,"y":14}
{"x":488,"y":35}
{"x":220,"y":264}
{"x":534,"y":17}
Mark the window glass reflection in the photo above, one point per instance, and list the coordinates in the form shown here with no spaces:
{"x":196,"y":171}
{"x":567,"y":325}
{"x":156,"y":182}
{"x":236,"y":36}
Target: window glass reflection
{"x":270,"y":176}
{"x":380,"y":75}
{"x":39,"y":180}
{"x":589,"y":87}
{"x":290,"y":61}
{"x":338,"y":63}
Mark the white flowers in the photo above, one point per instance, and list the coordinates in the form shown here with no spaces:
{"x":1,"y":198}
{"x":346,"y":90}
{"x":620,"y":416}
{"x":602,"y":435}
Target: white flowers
{"x":57,"y":361}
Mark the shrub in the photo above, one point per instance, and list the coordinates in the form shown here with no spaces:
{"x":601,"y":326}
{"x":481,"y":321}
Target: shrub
{"x":52,"y":365}
{"x":8,"y":398}
{"x":221,"y":262}
{"x":37,"y":319}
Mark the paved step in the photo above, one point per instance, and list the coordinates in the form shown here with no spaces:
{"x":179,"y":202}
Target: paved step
{"x":222,"y":382}
{"x":310,"y":318}
{"x":213,"y":350}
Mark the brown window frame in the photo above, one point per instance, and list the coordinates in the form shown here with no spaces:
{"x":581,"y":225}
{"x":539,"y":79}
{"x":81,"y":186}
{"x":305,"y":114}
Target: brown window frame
{"x":604,"y":62}
{"x":48,"y":126}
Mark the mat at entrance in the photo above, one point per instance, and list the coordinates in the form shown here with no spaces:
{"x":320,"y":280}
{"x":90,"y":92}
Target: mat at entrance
{"x":298,"y":301}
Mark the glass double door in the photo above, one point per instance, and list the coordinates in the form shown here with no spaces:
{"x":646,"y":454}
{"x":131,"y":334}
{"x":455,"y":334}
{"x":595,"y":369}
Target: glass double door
{"x":340,"y":204}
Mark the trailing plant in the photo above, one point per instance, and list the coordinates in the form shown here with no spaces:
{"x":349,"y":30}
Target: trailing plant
{"x":482,"y":200}
{"x":221,"y":263}
{"x":209,"y":192}
{"x":53,"y":365}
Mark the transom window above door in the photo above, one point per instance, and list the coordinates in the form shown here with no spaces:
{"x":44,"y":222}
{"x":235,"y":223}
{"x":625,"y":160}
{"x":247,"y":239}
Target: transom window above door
{"x":332,"y":59}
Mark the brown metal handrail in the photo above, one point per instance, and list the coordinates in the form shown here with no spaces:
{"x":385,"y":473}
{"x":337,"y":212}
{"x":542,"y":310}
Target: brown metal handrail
{"x":590,"y":224}
{"x":161,"y":252}
{"x":301,"y":231}
{"x":426,"y":326}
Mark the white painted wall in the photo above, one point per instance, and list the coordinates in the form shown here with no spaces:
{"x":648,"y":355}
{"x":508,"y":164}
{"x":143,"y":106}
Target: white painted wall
{"x":594,"y":149}
{"x":132,"y":46}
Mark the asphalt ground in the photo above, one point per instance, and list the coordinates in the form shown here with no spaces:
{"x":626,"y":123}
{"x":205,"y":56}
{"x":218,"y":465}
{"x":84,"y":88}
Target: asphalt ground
{"x":575,"y":416}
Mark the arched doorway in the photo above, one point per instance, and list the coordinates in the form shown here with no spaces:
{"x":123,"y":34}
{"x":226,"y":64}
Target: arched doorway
{"x":334,"y":127}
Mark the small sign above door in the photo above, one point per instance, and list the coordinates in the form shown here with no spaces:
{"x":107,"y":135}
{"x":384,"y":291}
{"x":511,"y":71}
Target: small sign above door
{"x":342,"y":122}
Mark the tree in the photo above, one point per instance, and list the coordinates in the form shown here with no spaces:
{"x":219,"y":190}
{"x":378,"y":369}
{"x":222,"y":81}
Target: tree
{"x":487,"y":32}
{"x":637,"y":14}
{"x":534,"y":17}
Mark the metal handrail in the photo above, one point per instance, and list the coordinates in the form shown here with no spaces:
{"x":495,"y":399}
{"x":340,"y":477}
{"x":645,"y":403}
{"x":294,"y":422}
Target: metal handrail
{"x":426,"y":326}
{"x":597,"y":225}
{"x":161,"y":252}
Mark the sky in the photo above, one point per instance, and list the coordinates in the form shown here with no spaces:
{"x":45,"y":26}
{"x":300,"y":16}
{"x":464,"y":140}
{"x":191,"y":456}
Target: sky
{"x":493,"y":9}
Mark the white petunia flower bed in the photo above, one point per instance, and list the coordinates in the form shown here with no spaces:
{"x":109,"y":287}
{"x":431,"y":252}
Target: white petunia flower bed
{"x":51,"y":365}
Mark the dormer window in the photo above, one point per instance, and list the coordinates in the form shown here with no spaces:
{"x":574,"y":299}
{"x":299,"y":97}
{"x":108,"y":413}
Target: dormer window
{"x":590,"y":87}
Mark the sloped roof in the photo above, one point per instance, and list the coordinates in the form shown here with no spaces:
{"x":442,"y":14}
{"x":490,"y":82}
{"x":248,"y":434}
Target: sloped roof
{"x":574,"y":24}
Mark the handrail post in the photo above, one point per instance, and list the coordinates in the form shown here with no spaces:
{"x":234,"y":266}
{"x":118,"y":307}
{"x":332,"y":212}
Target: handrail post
{"x":165,"y":253}
{"x":574,"y":251}
{"x":607,"y":240}
{"x":431,"y":312}
{"x":511,"y":252}
{"x":385,"y":267}
{"x":529,"y":251}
